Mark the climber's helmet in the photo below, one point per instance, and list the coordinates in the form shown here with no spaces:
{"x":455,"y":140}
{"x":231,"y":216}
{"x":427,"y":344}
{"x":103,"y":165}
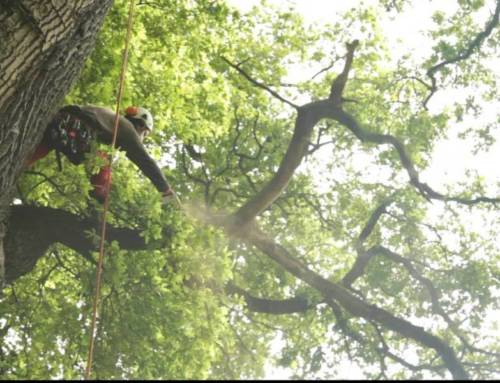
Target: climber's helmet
{"x":141,"y":118}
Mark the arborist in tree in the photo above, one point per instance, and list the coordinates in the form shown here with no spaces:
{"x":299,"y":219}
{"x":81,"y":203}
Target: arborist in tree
{"x":74,"y":128}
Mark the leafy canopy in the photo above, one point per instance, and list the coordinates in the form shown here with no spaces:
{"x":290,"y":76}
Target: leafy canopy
{"x":166,"y":311}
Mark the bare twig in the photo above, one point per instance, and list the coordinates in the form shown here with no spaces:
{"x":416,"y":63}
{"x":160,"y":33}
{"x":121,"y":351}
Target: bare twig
{"x":259,"y":84}
{"x":327,"y":68}
{"x":45,"y":179}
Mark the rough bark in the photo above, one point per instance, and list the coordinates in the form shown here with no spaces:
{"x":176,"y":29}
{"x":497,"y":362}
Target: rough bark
{"x":43,"y":45}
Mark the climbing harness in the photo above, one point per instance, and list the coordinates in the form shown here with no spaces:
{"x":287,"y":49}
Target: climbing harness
{"x":108,"y":187}
{"x":67,"y":134}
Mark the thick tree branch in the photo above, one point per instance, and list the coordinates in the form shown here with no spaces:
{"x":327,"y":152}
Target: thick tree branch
{"x":352,"y":303}
{"x":307,"y":117}
{"x":358,"y":268}
{"x":340,"y":81}
{"x":372,"y":221}
{"x":192,"y":152}
{"x":43,"y":44}
{"x":270,"y":306}
{"x":32,"y":229}
{"x":365,"y":136}
{"x":364,"y":256}
{"x":362,"y":261}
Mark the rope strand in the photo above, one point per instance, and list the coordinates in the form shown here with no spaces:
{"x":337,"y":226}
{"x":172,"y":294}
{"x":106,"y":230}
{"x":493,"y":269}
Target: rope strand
{"x":108,"y":188}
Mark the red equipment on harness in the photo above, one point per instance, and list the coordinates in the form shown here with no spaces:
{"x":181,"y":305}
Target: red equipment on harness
{"x":100,"y":180}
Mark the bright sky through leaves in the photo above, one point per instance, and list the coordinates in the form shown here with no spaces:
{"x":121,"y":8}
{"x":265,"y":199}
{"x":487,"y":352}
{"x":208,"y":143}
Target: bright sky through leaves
{"x":451,"y":156}
{"x":357,"y":227}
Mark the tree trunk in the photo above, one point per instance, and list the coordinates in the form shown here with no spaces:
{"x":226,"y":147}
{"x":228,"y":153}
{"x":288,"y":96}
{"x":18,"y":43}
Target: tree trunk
{"x":43,"y":45}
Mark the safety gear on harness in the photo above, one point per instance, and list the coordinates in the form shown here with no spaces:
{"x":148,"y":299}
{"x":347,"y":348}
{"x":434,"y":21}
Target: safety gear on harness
{"x":101,"y":180}
{"x":69,"y":135}
{"x":140,"y":114}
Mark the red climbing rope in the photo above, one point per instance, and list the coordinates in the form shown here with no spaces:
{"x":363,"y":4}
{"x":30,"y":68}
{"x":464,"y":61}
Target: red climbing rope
{"x":108,"y":188}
